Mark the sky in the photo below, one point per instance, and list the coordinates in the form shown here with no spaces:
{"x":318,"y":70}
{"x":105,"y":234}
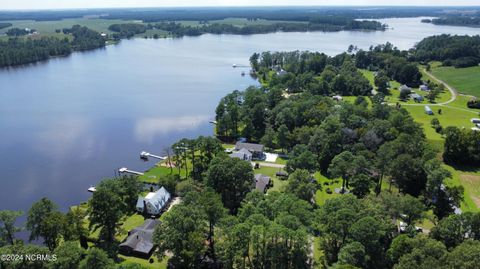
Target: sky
{"x":68,"y":4}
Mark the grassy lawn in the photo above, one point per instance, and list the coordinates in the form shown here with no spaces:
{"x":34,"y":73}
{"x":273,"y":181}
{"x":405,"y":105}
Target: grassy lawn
{"x":278,"y":184}
{"x":465,"y":80}
{"x":321,"y":196}
{"x":470,"y":180}
{"x":162,"y":264}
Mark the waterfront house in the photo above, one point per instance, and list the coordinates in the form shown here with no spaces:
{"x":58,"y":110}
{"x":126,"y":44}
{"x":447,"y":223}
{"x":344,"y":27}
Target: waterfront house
{"x":262,"y":182}
{"x":257,"y":150}
{"x":242,"y":154}
{"x":139,"y":241}
{"x":154,"y":203}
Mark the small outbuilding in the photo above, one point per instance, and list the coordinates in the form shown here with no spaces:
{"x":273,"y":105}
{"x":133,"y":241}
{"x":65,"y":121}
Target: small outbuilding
{"x":428,"y":110}
{"x":475,"y":120}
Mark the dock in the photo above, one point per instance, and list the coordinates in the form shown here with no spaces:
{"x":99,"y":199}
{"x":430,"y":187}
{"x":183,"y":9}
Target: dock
{"x":125,"y":170}
{"x":145,"y":155}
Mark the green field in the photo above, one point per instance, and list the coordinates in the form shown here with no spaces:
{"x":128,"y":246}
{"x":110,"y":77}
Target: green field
{"x":465,"y":80}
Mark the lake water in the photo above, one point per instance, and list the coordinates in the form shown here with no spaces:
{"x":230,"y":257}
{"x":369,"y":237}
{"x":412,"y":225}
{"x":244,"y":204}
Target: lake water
{"x":69,"y":122}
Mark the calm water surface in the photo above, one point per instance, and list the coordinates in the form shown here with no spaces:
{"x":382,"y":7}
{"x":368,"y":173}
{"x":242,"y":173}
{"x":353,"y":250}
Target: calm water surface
{"x":69,"y":122}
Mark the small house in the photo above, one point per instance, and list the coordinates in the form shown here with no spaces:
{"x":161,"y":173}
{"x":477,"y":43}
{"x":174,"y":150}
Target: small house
{"x":337,"y":98}
{"x":428,"y":110}
{"x":424,"y":88}
{"x":262,"y":182}
{"x":417,"y":97}
{"x":154,"y":203}
{"x":257,"y":150}
{"x":139,"y":241}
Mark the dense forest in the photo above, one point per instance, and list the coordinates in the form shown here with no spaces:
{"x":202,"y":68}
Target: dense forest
{"x":330,"y":24}
{"x":127,"y":30}
{"x":17,"y":51}
{"x":458,"y":20}
{"x":458,"y":51}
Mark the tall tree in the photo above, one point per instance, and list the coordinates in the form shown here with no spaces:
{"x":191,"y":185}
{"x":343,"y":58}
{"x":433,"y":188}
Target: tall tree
{"x":7,"y":225}
{"x":232,"y":178}
{"x":37,"y":214}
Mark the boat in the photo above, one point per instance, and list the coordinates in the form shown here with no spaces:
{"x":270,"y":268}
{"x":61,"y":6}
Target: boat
{"x":92,"y":189}
{"x":213,"y":122}
{"x":234,"y":65}
{"x":243,"y":73}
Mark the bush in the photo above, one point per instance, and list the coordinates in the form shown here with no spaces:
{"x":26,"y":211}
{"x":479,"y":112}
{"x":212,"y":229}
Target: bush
{"x":473,"y":104}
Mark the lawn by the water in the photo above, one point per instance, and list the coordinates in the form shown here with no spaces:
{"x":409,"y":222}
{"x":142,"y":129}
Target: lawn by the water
{"x":465,"y":80}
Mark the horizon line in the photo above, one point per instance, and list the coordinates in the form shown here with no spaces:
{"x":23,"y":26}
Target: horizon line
{"x":238,"y":6}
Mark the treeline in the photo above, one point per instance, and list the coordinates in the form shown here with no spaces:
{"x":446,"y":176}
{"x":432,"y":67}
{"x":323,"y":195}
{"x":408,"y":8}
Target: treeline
{"x":19,"y":32}
{"x":458,"y":51}
{"x":218,"y":13}
{"x":17,"y":51}
{"x":462,"y":146}
{"x":460,"y":20}
{"x":127,"y":30}
{"x":326,"y":25}
{"x":5,"y":25}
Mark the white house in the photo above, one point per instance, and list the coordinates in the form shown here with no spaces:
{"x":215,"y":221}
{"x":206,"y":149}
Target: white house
{"x":154,"y":203}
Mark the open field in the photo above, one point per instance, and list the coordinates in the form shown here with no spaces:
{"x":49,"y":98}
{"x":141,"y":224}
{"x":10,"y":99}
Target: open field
{"x":465,"y":80}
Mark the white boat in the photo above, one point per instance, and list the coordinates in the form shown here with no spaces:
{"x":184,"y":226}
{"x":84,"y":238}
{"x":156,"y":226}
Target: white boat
{"x":234,"y":65}
{"x":92,"y":189}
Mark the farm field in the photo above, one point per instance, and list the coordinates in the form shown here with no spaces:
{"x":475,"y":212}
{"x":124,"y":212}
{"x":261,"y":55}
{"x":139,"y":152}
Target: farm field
{"x":465,"y":80}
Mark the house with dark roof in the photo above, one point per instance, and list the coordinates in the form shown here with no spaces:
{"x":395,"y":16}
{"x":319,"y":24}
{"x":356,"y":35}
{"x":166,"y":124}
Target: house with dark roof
{"x":154,"y":203}
{"x":257,"y":150}
{"x":262,"y":182}
{"x":139,"y":241}
{"x":242,"y":154}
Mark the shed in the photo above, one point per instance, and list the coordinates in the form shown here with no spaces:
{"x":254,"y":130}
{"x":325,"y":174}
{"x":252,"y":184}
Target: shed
{"x":428,"y":110}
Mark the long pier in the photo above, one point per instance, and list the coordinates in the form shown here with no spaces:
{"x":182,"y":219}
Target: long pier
{"x":125,"y":170}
